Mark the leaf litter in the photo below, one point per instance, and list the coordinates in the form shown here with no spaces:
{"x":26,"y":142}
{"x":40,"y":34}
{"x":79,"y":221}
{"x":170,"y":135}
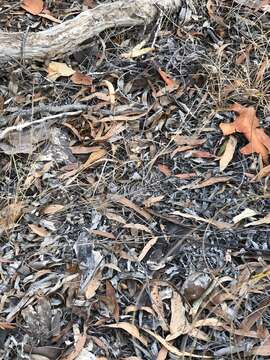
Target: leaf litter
{"x":130,"y":227}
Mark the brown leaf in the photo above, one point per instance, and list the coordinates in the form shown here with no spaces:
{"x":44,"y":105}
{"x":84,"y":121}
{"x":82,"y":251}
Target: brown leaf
{"x":131,"y":329}
{"x":92,"y":285}
{"x":227,"y":156}
{"x":263,"y":349}
{"x":102,"y":233}
{"x":164,"y":169}
{"x":124,"y":201}
{"x":57,"y":69}
{"x":244,"y":55}
{"x":147,"y":247}
{"x":110,"y":294}
{"x":201,"y":154}
{"x":265,"y":171}
{"x":79,"y":345}
{"x":9,"y":215}
{"x":114,"y":130}
{"x":7,"y":326}
{"x":247,"y":213}
{"x":38,"y":230}
{"x":178,"y":311}
{"x":157,"y":305}
{"x":185,"y":176}
{"x":78,"y":150}
{"x":263,"y":67}
{"x":141,"y":227}
{"x":174,"y":349}
{"x":247,"y":123}
{"x":166,"y":78}
{"x":211,"y":181}
{"x":52,"y":209}
{"x":188,"y":140}
{"x":81,"y":79}
{"x":152,"y":200}
{"x":219,"y":224}
{"x":34,"y":7}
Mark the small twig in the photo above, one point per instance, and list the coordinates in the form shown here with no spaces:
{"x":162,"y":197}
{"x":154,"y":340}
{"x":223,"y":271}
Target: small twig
{"x":26,"y":124}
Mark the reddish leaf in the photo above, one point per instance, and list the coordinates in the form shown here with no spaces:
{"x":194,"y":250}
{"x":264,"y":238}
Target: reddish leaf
{"x":81,"y":79}
{"x":247,"y":123}
{"x":164,"y":169}
{"x":34,"y":7}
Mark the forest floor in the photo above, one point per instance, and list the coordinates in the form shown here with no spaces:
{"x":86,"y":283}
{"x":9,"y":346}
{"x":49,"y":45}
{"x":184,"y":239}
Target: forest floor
{"x":132,"y":227}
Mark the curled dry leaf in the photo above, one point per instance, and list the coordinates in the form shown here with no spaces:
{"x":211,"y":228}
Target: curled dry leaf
{"x":165,"y":169}
{"x":247,"y":123}
{"x":147,"y":247}
{"x":131,"y":329}
{"x":227,"y":156}
{"x":57,"y":69}
{"x":34,"y":7}
{"x":81,"y":79}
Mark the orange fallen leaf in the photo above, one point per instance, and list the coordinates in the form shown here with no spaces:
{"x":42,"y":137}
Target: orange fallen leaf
{"x":166,"y":78}
{"x":165,"y":169}
{"x":247,"y":123}
{"x":34,"y":7}
{"x":81,"y":79}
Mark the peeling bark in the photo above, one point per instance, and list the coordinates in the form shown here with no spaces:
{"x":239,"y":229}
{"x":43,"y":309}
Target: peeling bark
{"x":65,"y":37}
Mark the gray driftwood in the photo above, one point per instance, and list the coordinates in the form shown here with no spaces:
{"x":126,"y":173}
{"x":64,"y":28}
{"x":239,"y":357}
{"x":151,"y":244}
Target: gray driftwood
{"x":65,"y":37}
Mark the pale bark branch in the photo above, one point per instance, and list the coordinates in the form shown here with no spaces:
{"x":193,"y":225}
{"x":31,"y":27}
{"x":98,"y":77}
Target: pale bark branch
{"x":65,"y":37}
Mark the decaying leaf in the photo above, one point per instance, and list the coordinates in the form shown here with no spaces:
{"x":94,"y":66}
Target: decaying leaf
{"x":227,"y":156}
{"x":57,"y":69}
{"x":262,"y":68}
{"x":131,"y":329}
{"x":158,"y":306}
{"x":78,"y":346}
{"x":219,"y":224}
{"x":188,"y":140}
{"x":247,"y":123}
{"x":34,"y":7}
{"x":93,"y":284}
{"x":10,"y":214}
{"x":247,"y":213}
{"x":152,"y":200}
{"x":140,"y":227}
{"x":114,"y":130}
{"x":81,"y":79}
{"x":265,"y":220}
{"x":244,"y":54}
{"x":124,"y":201}
{"x":211,"y":181}
{"x":52,"y":209}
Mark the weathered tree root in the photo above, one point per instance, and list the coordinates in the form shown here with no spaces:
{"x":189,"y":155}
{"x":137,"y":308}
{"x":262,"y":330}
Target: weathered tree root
{"x":65,"y":37}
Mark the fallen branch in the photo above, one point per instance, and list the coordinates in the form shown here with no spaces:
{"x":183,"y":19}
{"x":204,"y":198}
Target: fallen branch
{"x":65,"y":37}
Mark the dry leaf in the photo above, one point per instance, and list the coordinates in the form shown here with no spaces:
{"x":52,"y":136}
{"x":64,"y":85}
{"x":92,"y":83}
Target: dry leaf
{"x":227,"y":156}
{"x":157,"y":305}
{"x":114,"y":130}
{"x":263,"y":67}
{"x":244,"y":54}
{"x":201,"y":154}
{"x":50,"y":17}
{"x":265,"y":171}
{"x":188,"y":140}
{"x":263,"y":349}
{"x":38,"y":230}
{"x":146,"y":248}
{"x":79,"y":345}
{"x":34,"y":7}
{"x":102,"y":233}
{"x":219,"y":224}
{"x":93,"y":284}
{"x":113,"y":305}
{"x":167,"y":79}
{"x":131,"y":329}
{"x":247,"y":123}
{"x":7,"y":326}
{"x":111,"y":90}
{"x":81,"y":79}
{"x":137,"y":227}
{"x":78,"y":150}
{"x":178,"y":317}
{"x":57,"y":69}
{"x":137,"y":51}
{"x":152,"y":200}
{"x":263,"y":221}
{"x":247,"y":213}
{"x":211,"y":181}
{"x":52,"y":209}
{"x":185,"y":176}
{"x":165,"y":169}
{"x":124,"y":201}
{"x":174,"y":349}
{"x":9,"y":215}
{"x":115,"y":217}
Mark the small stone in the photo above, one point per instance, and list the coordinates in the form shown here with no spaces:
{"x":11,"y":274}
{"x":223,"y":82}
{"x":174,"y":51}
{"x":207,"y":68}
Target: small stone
{"x":195,"y":285}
